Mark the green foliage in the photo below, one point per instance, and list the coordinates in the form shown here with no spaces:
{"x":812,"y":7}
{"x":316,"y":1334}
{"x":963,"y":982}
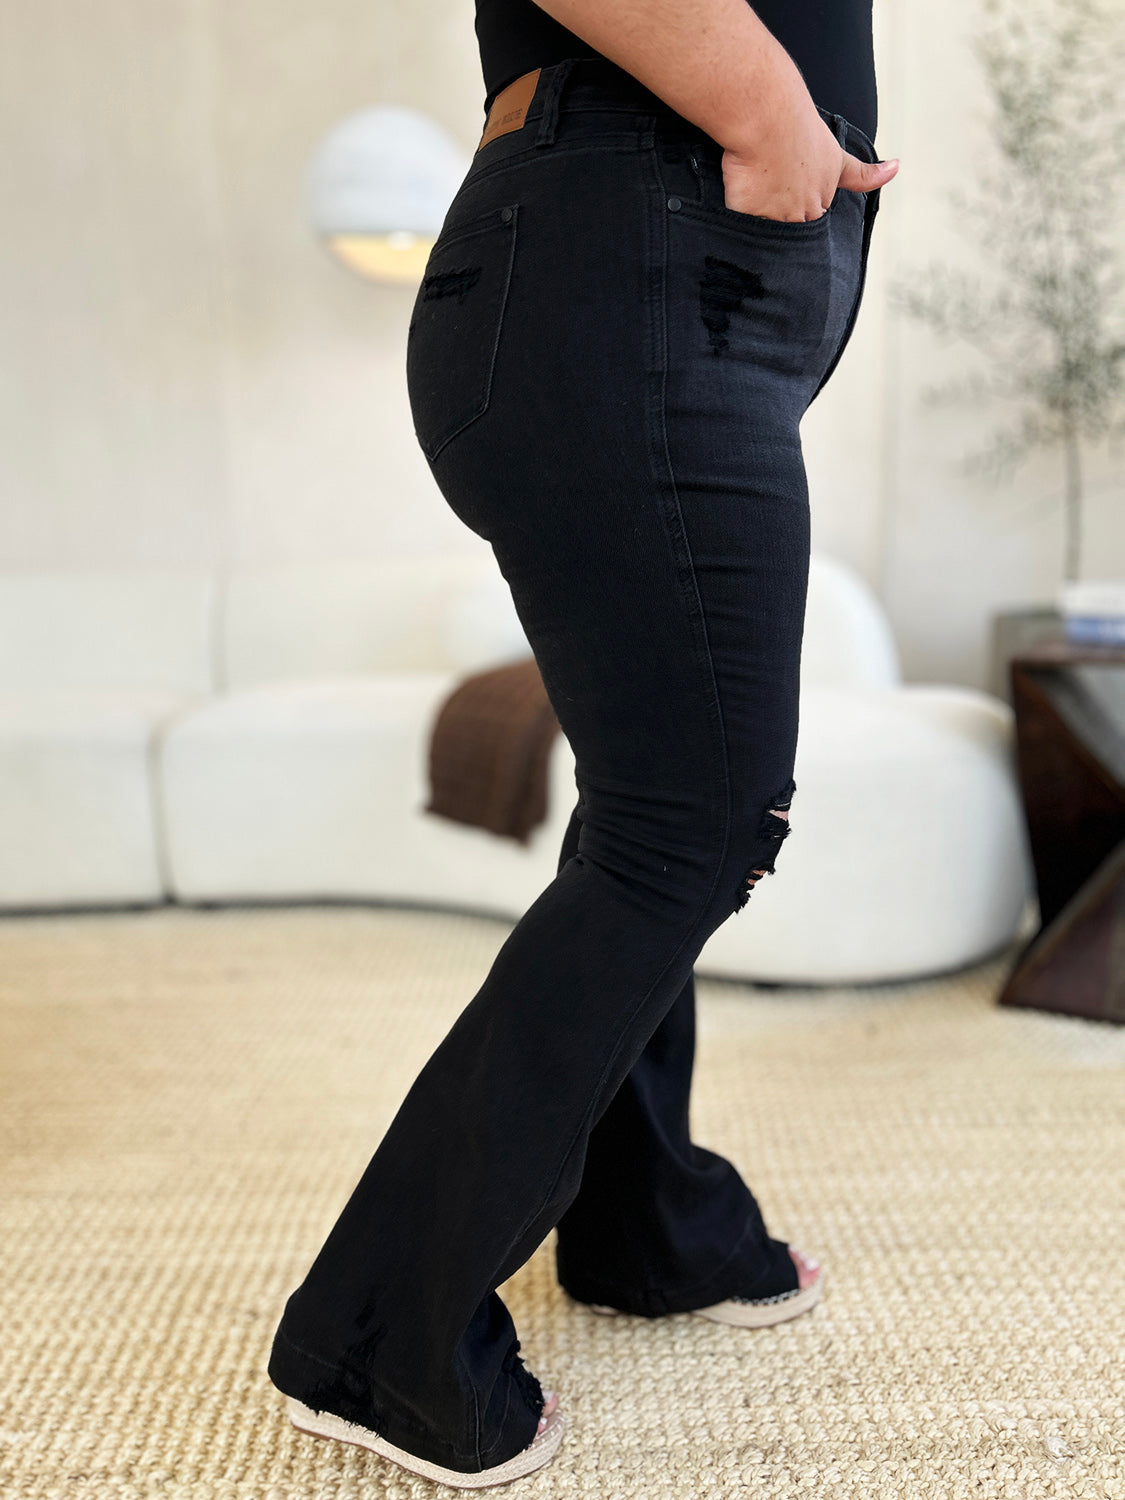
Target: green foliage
{"x":1048,"y":320}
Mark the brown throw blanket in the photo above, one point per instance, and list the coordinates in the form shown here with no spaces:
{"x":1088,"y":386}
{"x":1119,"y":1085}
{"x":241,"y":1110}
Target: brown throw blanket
{"x":489,"y":750}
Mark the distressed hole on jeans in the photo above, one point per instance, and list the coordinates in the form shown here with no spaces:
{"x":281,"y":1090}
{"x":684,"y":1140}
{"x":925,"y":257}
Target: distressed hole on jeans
{"x":721,"y":292}
{"x":775,"y":829}
{"x":450,"y":283}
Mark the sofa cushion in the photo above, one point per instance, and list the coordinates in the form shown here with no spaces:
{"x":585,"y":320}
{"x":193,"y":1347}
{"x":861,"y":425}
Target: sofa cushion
{"x":77,"y":798}
{"x":847,"y":640}
{"x":113,"y":631}
{"x":300,"y":788}
{"x":295,"y":622}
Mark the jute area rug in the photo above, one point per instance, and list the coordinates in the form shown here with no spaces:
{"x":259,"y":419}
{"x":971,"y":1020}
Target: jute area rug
{"x":188,"y":1098}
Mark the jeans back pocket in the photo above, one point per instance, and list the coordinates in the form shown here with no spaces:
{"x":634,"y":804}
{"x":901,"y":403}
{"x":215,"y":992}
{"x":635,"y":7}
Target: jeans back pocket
{"x":455,"y":327}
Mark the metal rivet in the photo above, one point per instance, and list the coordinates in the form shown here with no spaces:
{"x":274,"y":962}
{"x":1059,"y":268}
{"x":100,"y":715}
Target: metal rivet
{"x":675,"y":204}
{"x":506,"y":215}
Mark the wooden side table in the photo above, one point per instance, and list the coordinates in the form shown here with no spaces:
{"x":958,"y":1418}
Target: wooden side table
{"x":1069,"y":702}
{"x":1015,"y":632}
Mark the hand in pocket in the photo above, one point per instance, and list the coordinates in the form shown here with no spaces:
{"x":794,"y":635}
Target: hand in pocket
{"x":793,"y":169}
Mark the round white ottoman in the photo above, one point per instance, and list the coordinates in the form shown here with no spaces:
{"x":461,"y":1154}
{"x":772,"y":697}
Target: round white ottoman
{"x":909,"y":853}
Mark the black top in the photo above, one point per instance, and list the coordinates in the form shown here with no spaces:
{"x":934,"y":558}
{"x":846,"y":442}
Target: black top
{"x":829,"y":40}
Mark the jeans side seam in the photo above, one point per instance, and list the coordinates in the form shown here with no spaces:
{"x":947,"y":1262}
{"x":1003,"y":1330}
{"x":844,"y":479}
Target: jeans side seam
{"x":476,"y":1406}
{"x":663,"y":456}
{"x":482,"y":1454}
{"x":870,"y":209}
{"x":845,"y":337}
{"x":659,"y":346}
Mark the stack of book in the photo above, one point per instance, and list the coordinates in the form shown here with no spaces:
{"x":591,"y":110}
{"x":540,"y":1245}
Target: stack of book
{"x":1093,"y":611}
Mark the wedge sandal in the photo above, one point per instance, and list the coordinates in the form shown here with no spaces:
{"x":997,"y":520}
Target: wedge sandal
{"x":764,"y":1312}
{"x":750,"y":1312}
{"x":539,"y":1452}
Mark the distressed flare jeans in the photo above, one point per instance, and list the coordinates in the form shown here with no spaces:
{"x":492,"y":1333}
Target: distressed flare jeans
{"x":607,"y":368}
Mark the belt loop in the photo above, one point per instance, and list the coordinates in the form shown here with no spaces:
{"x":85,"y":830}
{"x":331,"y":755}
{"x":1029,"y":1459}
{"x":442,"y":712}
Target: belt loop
{"x":548,"y":124}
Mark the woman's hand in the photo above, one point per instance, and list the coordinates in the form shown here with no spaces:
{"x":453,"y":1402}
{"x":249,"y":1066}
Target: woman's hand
{"x":718,"y":65}
{"x":794,"y":169}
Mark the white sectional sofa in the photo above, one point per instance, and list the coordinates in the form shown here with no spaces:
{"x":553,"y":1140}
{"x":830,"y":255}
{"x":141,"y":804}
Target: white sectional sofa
{"x":93,"y":668}
{"x":264,"y":737}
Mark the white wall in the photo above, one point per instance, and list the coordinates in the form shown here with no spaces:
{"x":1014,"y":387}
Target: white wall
{"x":944,"y":551}
{"x":184,"y":373}
{"x":185,"y":376}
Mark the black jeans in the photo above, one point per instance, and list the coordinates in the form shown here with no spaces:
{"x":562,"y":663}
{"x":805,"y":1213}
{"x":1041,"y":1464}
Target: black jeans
{"x":607,"y":368}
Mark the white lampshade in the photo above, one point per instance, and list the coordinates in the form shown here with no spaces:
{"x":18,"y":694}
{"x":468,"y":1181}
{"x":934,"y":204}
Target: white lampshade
{"x":379,"y":187}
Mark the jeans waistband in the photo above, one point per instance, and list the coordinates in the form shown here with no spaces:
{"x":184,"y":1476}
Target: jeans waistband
{"x":579,"y":84}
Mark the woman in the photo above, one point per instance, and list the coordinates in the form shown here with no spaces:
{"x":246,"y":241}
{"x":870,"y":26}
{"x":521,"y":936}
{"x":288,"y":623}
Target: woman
{"x":649,"y":271}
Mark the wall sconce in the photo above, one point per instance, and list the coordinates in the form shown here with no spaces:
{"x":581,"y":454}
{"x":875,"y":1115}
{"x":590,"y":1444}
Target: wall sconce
{"x":379,"y":187}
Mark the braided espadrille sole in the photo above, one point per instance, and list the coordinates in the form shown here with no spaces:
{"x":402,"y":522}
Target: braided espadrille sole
{"x":542,"y":1449}
{"x":765,"y":1311}
{"x":740,"y":1312}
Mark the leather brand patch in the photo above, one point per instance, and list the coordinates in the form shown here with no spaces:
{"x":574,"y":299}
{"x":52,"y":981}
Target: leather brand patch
{"x":510,"y":107}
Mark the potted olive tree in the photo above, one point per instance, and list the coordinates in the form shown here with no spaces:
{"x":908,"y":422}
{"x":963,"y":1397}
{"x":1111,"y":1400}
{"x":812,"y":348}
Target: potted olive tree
{"x":1046,"y":313}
